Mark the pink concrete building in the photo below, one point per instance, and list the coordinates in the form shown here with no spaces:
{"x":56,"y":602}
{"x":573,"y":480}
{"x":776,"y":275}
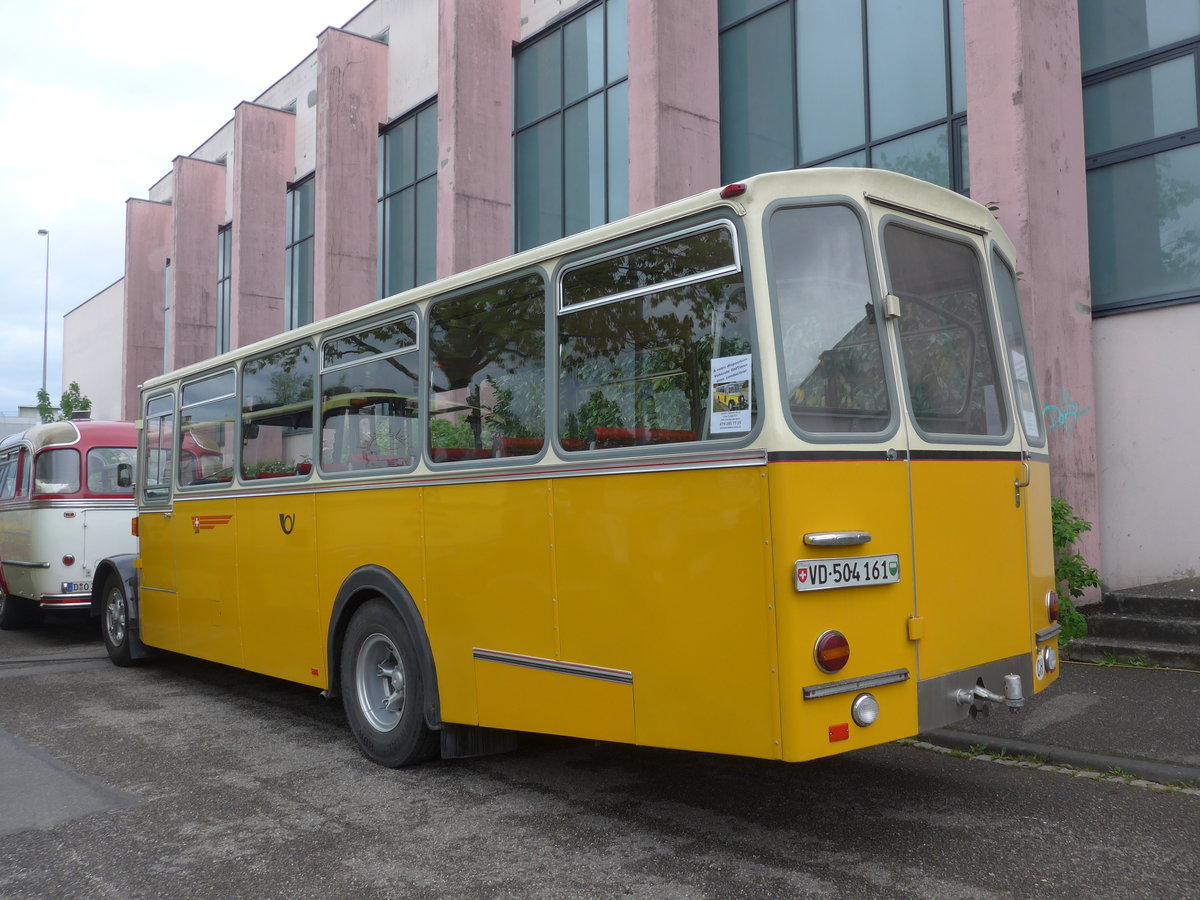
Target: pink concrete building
{"x":422,"y":138}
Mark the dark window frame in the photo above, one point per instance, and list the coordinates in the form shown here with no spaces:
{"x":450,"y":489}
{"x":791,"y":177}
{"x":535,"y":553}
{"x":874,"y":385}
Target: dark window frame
{"x":388,"y":192}
{"x":293,"y":242}
{"x":1145,"y":149}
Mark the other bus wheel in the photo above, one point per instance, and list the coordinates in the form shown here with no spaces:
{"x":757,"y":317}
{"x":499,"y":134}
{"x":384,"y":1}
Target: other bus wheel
{"x":383,"y":691}
{"x":114,"y":622}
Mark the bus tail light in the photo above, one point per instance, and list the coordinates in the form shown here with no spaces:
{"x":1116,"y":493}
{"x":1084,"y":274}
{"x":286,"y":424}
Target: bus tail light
{"x":732,"y":190}
{"x":832,"y":651}
{"x":68,"y":559}
{"x":1052,"y":605}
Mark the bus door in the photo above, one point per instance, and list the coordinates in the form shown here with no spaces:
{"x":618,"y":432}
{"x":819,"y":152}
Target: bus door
{"x":840,"y":503}
{"x":159,"y":604}
{"x":966,"y":467}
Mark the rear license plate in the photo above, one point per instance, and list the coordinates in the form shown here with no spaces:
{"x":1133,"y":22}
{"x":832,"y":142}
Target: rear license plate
{"x":76,"y":587}
{"x":854,"y":571}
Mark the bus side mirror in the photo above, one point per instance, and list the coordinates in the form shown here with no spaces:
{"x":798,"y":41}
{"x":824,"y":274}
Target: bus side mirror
{"x":124,"y":475}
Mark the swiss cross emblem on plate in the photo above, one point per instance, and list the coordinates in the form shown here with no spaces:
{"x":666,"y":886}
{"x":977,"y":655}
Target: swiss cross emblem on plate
{"x":196,"y":524}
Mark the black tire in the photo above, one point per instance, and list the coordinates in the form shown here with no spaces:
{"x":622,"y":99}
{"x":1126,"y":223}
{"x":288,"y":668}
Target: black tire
{"x":15,"y":613}
{"x":383,"y":690}
{"x":115,"y":621}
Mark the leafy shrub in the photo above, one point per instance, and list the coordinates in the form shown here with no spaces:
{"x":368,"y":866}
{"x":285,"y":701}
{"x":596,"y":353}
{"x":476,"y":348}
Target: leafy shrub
{"x":1071,"y":572}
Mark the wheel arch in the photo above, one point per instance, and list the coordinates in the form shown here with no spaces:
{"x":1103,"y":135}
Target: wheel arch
{"x":124,"y":568}
{"x":368,"y":583}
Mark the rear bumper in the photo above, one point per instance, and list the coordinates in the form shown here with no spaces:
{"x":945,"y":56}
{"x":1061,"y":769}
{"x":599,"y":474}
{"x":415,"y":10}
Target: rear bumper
{"x":65,"y":601}
{"x":938,"y":703}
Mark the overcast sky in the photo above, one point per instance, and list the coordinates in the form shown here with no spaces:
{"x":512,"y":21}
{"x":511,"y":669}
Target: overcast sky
{"x":96,"y":100}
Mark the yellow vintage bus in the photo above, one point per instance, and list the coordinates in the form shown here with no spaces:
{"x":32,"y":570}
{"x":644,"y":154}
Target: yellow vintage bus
{"x":488,"y":505}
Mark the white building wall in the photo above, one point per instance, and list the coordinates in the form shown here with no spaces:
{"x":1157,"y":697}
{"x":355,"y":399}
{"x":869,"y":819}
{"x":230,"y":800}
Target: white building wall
{"x":93,"y":333}
{"x":1147,"y":385}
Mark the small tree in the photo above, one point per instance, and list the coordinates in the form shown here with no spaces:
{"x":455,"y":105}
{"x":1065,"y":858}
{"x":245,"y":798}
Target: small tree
{"x":73,"y":400}
{"x":1071,"y":572}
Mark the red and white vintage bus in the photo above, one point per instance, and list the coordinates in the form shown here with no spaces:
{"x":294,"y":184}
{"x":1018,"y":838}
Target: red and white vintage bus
{"x":66,"y":502}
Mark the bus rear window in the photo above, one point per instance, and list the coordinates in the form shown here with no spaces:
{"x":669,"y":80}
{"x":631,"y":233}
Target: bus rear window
{"x":56,"y":472}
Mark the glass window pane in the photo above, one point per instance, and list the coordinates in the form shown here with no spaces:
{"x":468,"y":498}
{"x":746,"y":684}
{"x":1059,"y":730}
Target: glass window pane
{"x":1142,"y":105}
{"x":488,"y":373}
{"x":946,"y":344}
{"x":1028,"y":407}
{"x":207,"y":420}
{"x":923,"y":155}
{"x":857,"y":159}
{"x":618,"y":40}
{"x":277,"y":404}
{"x":618,"y":152}
{"x":426,"y":228}
{"x":401,"y":155}
{"x":539,"y":79}
{"x":369,"y":410}
{"x":907,"y":47}
{"x":426,"y":151}
{"x":56,"y":472}
{"x":758,"y":106}
{"x":583,"y":55}
{"x":830,"y":338}
{"x":302,"y":282}
{"x":306,"y":196}
{"x":386,"y":339}
{"x":638,"y":270}
{"x":964,"y":157}
{"x":102,"y":465}
{"x":830,"y":74}
{"x":159,"y":436}
{"x":958,"y":60}
{"x":644,"y":370}
{"x":583,"y":162}
{"x":1111,"y":30}
{"x":399,"y":221}
{"x":732,"y":10}
{"x":1143,"y":222}
{"x":539,"y":184}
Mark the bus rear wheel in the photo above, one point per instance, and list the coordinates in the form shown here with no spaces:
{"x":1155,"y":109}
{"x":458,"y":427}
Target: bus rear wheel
{"x":115,"y":621}
{"x":383,"y":691}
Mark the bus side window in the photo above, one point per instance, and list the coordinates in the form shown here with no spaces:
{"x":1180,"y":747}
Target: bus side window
{"x":369,"y":390}
{"x":636,"y":361}
{"x":488,"y":372}
{"x":56,"y":472}
{"x":277,"y":404}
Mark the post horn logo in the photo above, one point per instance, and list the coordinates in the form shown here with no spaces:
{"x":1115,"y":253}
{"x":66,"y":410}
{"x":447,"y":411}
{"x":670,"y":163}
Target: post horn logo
{"x":287,"y":523}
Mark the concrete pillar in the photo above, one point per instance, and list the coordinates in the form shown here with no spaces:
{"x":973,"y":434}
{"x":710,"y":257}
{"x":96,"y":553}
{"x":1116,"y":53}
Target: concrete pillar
{"x":351,"y":105}
{"x":263,"y":161}
{"x":1025,"y":114}
{"x":147,"y":248}
{"x":198,"y":205}
{"x":674,"y":101}
{"x":475,"y":124}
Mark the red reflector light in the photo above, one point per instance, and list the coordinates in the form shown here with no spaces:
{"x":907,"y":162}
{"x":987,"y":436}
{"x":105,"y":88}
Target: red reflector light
{"x":68,"y":559}
{"x":133,"y":526}
{"x":732,"y":190}
{"x":832,"y":651}
{"x":1052,"y":605}
{"x":839,"y":732}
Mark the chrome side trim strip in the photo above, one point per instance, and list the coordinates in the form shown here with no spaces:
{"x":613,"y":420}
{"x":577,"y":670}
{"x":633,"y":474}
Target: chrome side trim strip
{"x":813,"y":691}
{"x":600,"y":673}
{"x":1047,"y":633}
{"x":26,"y":565}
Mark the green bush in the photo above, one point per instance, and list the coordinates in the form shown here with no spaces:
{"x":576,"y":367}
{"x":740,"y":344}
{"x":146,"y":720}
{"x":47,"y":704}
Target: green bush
{"x":1071,"y":572}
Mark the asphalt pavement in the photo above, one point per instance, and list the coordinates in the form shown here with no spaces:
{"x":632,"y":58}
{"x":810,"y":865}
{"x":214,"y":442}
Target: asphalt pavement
{"x":1143,"y":722}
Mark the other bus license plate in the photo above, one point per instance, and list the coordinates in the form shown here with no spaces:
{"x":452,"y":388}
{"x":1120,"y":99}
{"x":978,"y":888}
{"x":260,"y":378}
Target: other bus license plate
{"x":852,"y":571}
{"x":76,"y":587}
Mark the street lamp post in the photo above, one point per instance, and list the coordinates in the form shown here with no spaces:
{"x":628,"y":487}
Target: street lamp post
{"x":46,"y":306}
